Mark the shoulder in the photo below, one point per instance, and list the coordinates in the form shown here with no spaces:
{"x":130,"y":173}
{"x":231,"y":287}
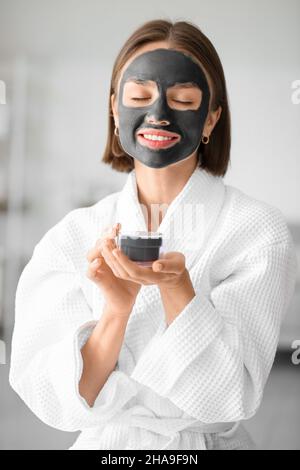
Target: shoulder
{"x":253,"y":221}
{"x":97,"y":214}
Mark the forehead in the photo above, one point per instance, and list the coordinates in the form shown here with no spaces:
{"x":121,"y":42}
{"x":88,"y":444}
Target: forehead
{"x":166,"y":66}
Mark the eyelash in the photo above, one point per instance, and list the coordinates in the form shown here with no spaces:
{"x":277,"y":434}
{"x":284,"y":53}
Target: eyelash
{"x":177,"y":101}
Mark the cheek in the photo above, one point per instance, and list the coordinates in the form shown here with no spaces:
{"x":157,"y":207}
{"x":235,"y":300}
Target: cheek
{"x":190,"y":122}
{"x":131,"y":118}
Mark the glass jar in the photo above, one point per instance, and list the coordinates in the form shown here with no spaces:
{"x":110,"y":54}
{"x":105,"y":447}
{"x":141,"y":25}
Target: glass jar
{"x":141,"y":246}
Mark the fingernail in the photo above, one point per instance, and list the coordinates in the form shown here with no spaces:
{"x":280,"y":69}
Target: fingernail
{"x":158,"y":266}
{"x":96,"y":262}
{"x":115,"y":252}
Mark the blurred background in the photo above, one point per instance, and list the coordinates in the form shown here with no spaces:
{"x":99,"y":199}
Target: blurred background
{"x":56,"y":58}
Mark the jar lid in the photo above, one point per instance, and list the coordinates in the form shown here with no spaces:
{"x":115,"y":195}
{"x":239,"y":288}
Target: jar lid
{"x":140,"y":238}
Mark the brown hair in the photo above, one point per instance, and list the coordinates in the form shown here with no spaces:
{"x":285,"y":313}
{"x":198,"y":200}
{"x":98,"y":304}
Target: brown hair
{"x":215,"y":155}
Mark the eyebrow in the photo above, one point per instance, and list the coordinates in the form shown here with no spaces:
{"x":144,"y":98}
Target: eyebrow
{"x":140,"y":81}
{"x":185,"y":85}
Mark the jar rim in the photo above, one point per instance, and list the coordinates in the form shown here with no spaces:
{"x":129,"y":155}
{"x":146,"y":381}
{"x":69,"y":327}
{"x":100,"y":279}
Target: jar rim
{"x":140,"y":234}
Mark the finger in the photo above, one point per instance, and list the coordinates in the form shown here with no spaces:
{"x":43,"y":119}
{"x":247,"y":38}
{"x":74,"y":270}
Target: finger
{"x":94,"y":268}
{"x":108,"y":246}
{"x":111,"y":236}
{"x":172,"y":262}
{"x":108,"y":234}
{"x":141,"y":274}
{"x":112,"y":231}
{"x":118,"y":226}
{"x":133,"y":270}
{"x":96,"y":250}
{"x":133,"y":274}
{"x":122,"y":272}
{"x":110,"y":263}
{"x":93,"y":253}
{"x":107,"y":238}
{"x":115,"y":233}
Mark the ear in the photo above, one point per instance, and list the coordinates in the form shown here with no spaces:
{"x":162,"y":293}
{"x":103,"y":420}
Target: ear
{"x":211,"y":121}
{"x":114,"y":109}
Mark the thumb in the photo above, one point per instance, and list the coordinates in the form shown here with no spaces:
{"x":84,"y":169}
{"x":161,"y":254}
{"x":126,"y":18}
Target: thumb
{"x":172,"y":262}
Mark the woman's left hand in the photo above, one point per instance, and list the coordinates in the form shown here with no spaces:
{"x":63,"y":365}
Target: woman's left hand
{"x":168,"y":271}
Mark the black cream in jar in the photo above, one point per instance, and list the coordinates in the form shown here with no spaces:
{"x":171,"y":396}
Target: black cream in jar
{"x":141,"y":246}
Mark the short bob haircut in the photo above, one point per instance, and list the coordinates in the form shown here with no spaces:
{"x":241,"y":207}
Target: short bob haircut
{"x":214,"y":156}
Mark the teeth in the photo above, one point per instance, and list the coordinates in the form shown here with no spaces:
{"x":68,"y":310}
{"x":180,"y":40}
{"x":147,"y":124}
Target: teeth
{"x":156,"y":137}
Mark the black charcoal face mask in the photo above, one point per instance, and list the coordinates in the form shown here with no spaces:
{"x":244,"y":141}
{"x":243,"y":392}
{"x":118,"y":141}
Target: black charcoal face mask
{"x":166,"y":67}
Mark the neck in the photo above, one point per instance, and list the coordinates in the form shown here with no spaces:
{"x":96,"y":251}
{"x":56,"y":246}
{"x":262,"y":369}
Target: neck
{"x":162,"y":185}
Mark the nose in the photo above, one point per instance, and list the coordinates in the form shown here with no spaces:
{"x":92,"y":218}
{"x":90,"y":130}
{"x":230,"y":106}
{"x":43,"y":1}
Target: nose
{"x":162,"y":122}
{"x":159,"y":113}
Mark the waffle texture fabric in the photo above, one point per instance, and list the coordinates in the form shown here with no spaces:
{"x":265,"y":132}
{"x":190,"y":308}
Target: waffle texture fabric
{"x":189,"y":385}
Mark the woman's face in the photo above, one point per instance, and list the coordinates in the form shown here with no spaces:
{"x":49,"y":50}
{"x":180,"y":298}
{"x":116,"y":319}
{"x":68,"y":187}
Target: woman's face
{"x":162,"y":104}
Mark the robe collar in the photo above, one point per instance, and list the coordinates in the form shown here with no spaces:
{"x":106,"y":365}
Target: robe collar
{"x":188,"y":220}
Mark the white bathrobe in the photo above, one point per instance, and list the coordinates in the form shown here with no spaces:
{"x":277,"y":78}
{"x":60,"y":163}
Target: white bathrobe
{"x":185,"y":386}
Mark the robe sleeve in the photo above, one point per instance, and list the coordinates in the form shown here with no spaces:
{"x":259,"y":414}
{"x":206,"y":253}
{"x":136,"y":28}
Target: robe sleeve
{"x":52,"y":322}
{"x":214,"y":359}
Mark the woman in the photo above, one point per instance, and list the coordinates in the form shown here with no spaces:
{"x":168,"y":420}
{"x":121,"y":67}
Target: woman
{"x":177,"y":355}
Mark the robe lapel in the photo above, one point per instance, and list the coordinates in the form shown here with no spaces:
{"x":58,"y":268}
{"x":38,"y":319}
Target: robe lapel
{"x":189,"y":219}
{"x":186,"y":227}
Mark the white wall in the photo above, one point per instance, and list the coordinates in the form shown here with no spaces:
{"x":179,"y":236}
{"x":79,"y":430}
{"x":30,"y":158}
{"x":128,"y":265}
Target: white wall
{"x":258,"y":41}
{"x":67,"y":48}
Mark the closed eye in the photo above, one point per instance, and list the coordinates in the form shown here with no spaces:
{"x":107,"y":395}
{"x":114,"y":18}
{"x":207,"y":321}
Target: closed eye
{"x":184,"y":102}
{"x":176,"y":101}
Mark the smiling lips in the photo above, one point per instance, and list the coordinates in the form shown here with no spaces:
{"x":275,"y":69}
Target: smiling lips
{"x":157,"y":139}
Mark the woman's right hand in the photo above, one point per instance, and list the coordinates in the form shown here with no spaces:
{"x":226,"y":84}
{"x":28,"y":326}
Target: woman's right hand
{"x":120,"y":294}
